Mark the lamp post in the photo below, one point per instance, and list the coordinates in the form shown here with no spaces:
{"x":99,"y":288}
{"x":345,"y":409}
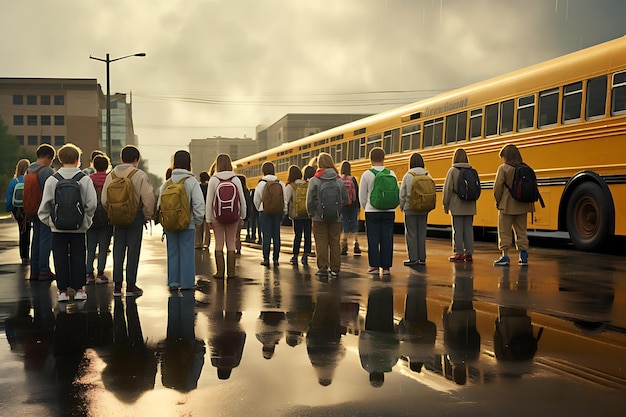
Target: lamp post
{"x":109,"y":145}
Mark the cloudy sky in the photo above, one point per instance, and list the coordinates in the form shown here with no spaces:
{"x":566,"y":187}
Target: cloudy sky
{"x":222,"y":67}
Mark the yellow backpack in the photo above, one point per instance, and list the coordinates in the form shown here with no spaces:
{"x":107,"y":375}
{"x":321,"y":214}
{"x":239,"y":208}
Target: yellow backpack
{"x":175,"y":211}
{"x":122,"y":204}
{"x":423,"y":195}
{"x":300,"y":201}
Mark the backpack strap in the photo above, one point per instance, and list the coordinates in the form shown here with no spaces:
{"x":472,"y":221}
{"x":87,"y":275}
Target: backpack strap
{"x":78,"y":176}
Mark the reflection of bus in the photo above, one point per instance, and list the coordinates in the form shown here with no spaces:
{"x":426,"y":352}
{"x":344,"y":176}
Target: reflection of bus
{"x":567,"y":116}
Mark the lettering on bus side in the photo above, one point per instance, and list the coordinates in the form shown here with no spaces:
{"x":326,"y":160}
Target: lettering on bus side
{"x":446,"y":107}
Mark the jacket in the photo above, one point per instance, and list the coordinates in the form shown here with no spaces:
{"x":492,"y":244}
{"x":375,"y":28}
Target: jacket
{"x":365,"y":189}
{"x":405,"y":190}
{"x":194,"y":195}
{"x":210,"y":195}
{"x":142,"y":188}
{"x":98,"y":179}
{"x":504,"y":201}
{"x":290,"y":199}
{"x":451,"y":201}
{"x":312,"y":195}
{"x":87,"y":191}
{"x":258,"y":193}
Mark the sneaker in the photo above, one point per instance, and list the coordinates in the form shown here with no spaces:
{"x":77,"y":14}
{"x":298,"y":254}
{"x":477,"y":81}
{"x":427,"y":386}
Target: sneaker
{"x":265,"y":262}
{"x":117,"y":290}
{"x":80,"y":294}
{"x":89,"y":279}
{"x":294,"y":260}
{"x":34,"y":276}
{"x":523,"y":258}
{"x":133,"y":291}
{"x":421,"y":262}
{"x":357,"y":250}
{"x":321,"y":272}
{"x":468,"y":257}
{"x":409,"y":262}
{"x":101,"y":279}
{"x":48,"y":276}
{"x":386,"y":272}
{"x":334,"y":274}
{"x":305,"y":260}
{"x":457,"y":257}
{"x":502,"y":261}
{"x":373,"y":270}
{"x":62,"y":296}
{"x":276,"y":263}
{"x":344,"y":250}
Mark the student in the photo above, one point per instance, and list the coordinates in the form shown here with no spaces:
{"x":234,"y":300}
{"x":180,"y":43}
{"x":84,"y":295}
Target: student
{"x":324,"y":204}
{"x":181,"y":272}
{"x":68,"y":246}
{"x":203,"y":233}
{"x":41,"y":245}
{"x":248,"y":198}
{"x":307,"y":173}
{"x":253,"y":221}
{"x":462,"y":211}
{"x":270,"y":223}
{"x":224,"y":231}
{"x":414,"y":222}
{"x":98,"y":235}
{"x":512,"y":214}
{"x":350,"y":213}
{"x":378,"y":223}
{"x":18,"y":212}
{"x":301,"y":223}
{"x":127,"y":239}
{"x":91,"y":169}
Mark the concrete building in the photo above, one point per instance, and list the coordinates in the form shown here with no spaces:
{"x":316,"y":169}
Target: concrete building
{"x":204,"y":151}
{"x":122,"y":128}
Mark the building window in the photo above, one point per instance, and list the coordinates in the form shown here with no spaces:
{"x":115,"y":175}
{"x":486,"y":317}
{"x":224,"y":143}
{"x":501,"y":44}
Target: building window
{"x":18,"y":99}
{"x":44,"y":100}
{"x":31,"y":100}
{"x":46,"y":139}
{"x":59,"y":120}
{"x":46,"y":120}
{"x":59,"y":100}
{"x":18,"y":120}
{"x":32,"y":140}
{"x":59,"y":140}
{"x":20,"y":139}
{"x":31,"y":120}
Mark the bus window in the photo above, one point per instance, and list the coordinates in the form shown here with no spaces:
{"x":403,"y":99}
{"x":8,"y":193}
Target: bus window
{"x":525,"y":112}
{"x":433,"y":132}
{"x":476,"y":122}
{"x":374,"y":141}
{"x":618,"y":94}
{"x":572,"y":102}
{"x":362,"y":148}
{"x":596,"y":97}
{"x":411,"y":137}
{"x":491,"y":120}
{"x":391,"y":140}
{"x":548,"y":107}
{"x":456,"y":127}
{"x":507,"y":109}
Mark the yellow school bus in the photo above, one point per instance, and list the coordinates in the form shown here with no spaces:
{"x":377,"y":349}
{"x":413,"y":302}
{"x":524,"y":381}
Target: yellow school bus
{"x":566,"y":115}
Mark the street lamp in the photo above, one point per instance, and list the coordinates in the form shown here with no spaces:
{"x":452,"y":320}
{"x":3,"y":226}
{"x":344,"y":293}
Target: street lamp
{"x":109,"y":145}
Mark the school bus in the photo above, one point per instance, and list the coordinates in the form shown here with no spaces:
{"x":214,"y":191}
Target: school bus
{"x":566,"y":115}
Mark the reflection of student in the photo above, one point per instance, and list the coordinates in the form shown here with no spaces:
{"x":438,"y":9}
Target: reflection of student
{"x":298,"y":319}
{"x":323,"y":338}
{"x":270,"y":331}
{"x":417,"y":333}
{"x":378,"y":344}
{"x":132,"y":365}
{"x":182,"y":354}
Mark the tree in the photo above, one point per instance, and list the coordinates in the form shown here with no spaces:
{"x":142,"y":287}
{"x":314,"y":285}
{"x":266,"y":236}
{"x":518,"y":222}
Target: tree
{"x":11,"y":153}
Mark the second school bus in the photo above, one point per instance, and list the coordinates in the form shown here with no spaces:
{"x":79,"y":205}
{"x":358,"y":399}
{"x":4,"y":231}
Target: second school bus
{"x":566,"y":115}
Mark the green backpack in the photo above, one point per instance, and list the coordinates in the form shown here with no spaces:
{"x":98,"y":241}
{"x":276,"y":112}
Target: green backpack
{"x":385,"y":194}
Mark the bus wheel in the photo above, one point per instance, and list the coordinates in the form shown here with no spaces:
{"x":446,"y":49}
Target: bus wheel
{"x":588,"y":215}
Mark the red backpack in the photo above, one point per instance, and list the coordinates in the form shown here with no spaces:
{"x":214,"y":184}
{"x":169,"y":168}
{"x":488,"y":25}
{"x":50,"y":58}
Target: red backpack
{"x":348,"y":182}
{"x":31,"y":197}
{"x":226,"y":202}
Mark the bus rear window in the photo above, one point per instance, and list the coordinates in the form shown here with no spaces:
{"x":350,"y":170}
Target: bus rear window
{"x":596,"y":97}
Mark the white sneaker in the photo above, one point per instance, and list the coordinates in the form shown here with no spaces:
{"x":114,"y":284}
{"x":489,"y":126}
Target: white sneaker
{"x":62,"y":296}
{"x":386,"y":272}
{"x":80,"y":295}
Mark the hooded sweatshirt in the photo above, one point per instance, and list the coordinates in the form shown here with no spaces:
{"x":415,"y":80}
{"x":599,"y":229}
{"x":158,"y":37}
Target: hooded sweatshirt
{"x":258,"y":192}
{"x":194,"y":195}
{"x":451,"y":201}
{"x":141,"y":187}
{"x":312,"y":196}
{"x":212,"y":187}
{"x":405,"y":190}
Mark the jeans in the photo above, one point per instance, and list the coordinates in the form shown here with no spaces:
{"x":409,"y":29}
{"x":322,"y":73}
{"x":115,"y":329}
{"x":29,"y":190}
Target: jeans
{"x":69,"y":259}
{"x":24,"y":227}
{"x":379,"y":228}
{"x":40,"y":248}
{"x":127,"y":245}
{"x":98,"y":237}
{"x":415,"y":235}
{"x":270,"y":226}
{"x":301,"y":227}
{"x":181,"y":267}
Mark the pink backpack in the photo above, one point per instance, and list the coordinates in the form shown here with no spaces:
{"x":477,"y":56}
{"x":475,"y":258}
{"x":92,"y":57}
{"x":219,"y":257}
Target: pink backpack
{"x":226,"y":202}
{"x":348,"y":182}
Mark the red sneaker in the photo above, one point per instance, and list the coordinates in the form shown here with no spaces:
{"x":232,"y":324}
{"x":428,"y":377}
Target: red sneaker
{"x":457,"y":257}
{"x":468,"y":257}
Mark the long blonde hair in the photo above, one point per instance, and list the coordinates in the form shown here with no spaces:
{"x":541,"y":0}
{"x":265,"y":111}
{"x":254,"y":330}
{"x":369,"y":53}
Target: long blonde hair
{"x":21,"y":167}
{"x":325,"y":161}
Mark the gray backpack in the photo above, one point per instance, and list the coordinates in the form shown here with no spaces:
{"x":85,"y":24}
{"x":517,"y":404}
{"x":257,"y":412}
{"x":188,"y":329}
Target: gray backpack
{"x":329,"y":205}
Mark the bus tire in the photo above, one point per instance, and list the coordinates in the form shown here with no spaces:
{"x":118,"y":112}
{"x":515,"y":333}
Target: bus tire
{"x":588,"y":217}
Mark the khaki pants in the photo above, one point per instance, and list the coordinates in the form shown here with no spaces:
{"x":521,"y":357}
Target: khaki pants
{"x":509,"y":224}
{"x":327,"y":239}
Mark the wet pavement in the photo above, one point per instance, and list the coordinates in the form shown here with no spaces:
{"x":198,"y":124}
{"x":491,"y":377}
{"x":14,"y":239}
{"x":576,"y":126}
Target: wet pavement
{"x":441,"y":339}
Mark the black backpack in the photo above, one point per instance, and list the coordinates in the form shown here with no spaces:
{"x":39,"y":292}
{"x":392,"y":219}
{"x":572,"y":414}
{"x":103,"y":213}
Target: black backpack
{"x":100,"y":216}
{"x":524,"y":187}
{"x":68,"y":211}
{"x":468,"y":184}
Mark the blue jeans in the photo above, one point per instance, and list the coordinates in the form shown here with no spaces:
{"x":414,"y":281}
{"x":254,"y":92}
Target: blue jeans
{"x":40,"y":248}
{"x":181,"y":267}
{"x":270,"y":226}
{"x":69,"y":259}
{"x":98,"y":237}
{"x":127,"y":245}
{"x":301,"y":227}
{"x":379,"y":228}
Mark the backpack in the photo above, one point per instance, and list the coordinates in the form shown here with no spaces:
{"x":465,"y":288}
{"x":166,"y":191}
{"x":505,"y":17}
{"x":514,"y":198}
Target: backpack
{"x":175,"y":210}
{"x":272,"y":198}
{"x":300,"y":200}
{"x":100,"y":217}
{"x":385,"y":194}
{"x":329,"y":200}
{"x":122,"y":204}
{"x":348,"y":182}
{"x":68,"y":211}
{"x":31,"y":197}
{"x":226,"y":202}
{"x":18,"y":194}
{"x":524,"y":187}
{"x":468,"y":184}
{"x":423,"y":197}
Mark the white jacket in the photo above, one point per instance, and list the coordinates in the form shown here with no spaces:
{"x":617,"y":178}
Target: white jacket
{"x":194,"y":194}
{"x":210,"y":195}
{"x":258,"y":192}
